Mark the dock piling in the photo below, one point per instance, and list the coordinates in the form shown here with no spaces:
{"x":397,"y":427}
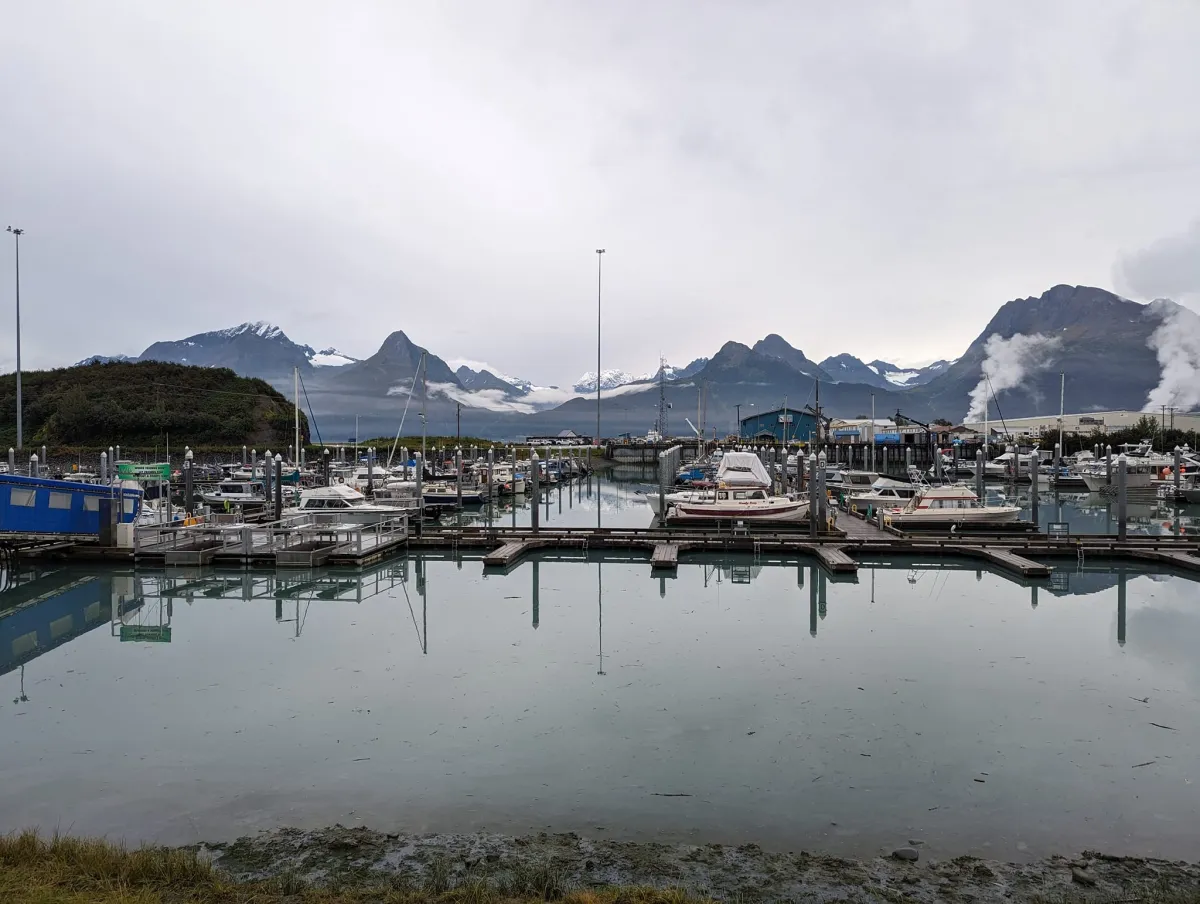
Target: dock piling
{"x":243,"y":455}
{"x":118,"y":458}
{"x":535,"y":509}
{"x":1034,"y":489}
{"x":33,"y":465}
{"x":458,"y":476}
{"x":420,"y":469}
{"x":189,"y":504}
{"x":1057,"y":465}
{"x":268,"y":473}
{"x":103,"y":466}
{"x":1122,"y":507}
{"x":1108,"y":466}
{"x":1178,"y":469}
{"x":979,"y":474}
{"x":278,"y":486}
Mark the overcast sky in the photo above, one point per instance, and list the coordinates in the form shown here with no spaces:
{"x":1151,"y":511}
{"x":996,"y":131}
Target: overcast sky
{"x":872,"y":177}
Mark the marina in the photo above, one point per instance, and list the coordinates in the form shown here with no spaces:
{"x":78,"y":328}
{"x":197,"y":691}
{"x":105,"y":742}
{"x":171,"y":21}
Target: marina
{"x":582,"y":688}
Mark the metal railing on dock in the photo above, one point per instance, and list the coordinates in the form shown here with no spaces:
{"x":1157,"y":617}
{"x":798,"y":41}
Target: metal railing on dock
{"x":295,"y":540}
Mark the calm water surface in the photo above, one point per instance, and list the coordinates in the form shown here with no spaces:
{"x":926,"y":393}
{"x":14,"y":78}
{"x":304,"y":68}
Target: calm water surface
{"x":739,"y":701}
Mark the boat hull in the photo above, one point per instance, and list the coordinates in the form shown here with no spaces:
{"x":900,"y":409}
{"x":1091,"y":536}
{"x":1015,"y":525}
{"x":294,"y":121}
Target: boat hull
{"x":781,"y":510}
{"x":990,"y":515}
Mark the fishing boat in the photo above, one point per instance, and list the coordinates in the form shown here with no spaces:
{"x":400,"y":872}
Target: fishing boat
{"x":954,"y":504}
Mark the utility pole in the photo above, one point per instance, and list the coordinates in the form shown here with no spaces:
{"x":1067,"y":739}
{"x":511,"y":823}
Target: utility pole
{"x":738,"y":406}
{"x":17,"y":233}
{"x":599,"y":273}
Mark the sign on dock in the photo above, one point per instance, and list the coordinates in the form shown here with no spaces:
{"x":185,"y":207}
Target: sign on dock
{"x":127,"y":470}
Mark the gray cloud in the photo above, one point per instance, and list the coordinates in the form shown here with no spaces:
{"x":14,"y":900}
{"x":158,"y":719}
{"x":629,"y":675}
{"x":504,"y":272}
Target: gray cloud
{"x":1167,"y":268}
{"x":831,"y":172}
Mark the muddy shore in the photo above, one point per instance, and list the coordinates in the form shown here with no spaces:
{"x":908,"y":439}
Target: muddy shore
{"x":548,"y":865}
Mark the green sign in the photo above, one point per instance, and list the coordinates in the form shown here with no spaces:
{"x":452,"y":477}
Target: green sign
{"x":146,"y":633}
{"x":129,"y":471}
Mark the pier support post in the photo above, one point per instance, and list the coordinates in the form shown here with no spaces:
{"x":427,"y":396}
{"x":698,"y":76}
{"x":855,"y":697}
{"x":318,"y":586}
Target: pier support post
{"x":12,"y":460}
{"x":33,"y":465}
{"x":814,"y":488}
{"x":243,"y":455}
{"x":908,"y":459}
{"x":1122,"y":502}
{"x":420,"y":469}
{"x":189,"y":504}
{"x":103,"y":466}
{"x":268,"y":467}
{"x":325,"y":465}
{"x":535,"y":509}
{"x":1108,"y":466}
{"x":371,"y":470}
{"x":1033,"y":484}
{"x":118,"y":458}
{"x":458,"y":476}
{"x":1096,"y":451}
{"x":112,"y":462}
{"x":822,"y":492}
{"x":278,"y":487}
{"x":979,"y":474}
{"x":1178,"y":469}
{"x":885,"y":459}
{"x":1057,"y":465}
{"x":45,"y":460}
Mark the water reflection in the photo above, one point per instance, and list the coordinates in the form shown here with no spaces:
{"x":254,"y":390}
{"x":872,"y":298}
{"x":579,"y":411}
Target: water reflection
{"x":423,"y":694}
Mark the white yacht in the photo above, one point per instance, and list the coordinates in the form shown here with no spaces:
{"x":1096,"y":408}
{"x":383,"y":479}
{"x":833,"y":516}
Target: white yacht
{"x":342,"y":504}
{"x":951,"y":503}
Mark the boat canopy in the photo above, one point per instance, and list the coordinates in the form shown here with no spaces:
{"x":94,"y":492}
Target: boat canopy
{"x":742,"y":469}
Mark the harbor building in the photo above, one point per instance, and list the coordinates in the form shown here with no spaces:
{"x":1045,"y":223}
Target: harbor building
{"x":780,"y":425}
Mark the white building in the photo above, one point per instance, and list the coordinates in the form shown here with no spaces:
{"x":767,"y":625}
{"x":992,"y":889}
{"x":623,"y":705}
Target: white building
{"x":1092,"y":421}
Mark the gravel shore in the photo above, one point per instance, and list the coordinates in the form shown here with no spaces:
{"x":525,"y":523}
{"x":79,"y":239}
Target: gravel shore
{"x":549,"y":865}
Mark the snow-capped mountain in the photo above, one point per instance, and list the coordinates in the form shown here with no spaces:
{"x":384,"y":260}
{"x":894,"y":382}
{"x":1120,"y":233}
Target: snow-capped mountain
{"x":609,"y":379}
{"x":104,"y":359}
{"x":881,"y":374}
{"x":329,"y":357}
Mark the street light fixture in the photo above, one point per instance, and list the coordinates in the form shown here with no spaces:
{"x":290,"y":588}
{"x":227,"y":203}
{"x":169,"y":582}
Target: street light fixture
{"x":17,"y":233}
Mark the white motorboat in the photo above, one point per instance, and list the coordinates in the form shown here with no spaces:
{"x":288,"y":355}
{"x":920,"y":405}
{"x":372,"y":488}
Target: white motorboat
{"x":885,"y":493}
{"x":237,"y":492}
{"x":840,"y":481}
{"x":506,"y":482}
{"x":447,"y":493}
{"x":342,"y":504}
{"x":742,"y":493}
{"x":749,"y":503}
{"x":952,"y":503}
{"x":1139,"y":475}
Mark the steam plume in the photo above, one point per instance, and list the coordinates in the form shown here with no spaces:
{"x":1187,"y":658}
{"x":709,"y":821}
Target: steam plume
{"x":1006,"y":363}
{"x":1177,"y":344}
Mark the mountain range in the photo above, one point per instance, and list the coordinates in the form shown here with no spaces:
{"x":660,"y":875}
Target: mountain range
{"x":1114,"y":352}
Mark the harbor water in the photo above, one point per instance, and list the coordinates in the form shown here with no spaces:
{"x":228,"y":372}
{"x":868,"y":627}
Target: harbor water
{"x":740,"y":700}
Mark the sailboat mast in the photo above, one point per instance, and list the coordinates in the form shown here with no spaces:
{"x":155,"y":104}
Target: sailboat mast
{"x":424,"y":397}
{"x":296,"y":396}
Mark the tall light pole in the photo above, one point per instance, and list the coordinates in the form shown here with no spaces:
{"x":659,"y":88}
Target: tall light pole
{"x":17,"y":233}
{"x":599,"y":274}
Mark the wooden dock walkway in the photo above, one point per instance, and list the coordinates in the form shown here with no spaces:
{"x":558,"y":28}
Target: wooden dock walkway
{"x":1003,"y":558}
{"x":835,"y":560}
{"x":665,"y":556}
